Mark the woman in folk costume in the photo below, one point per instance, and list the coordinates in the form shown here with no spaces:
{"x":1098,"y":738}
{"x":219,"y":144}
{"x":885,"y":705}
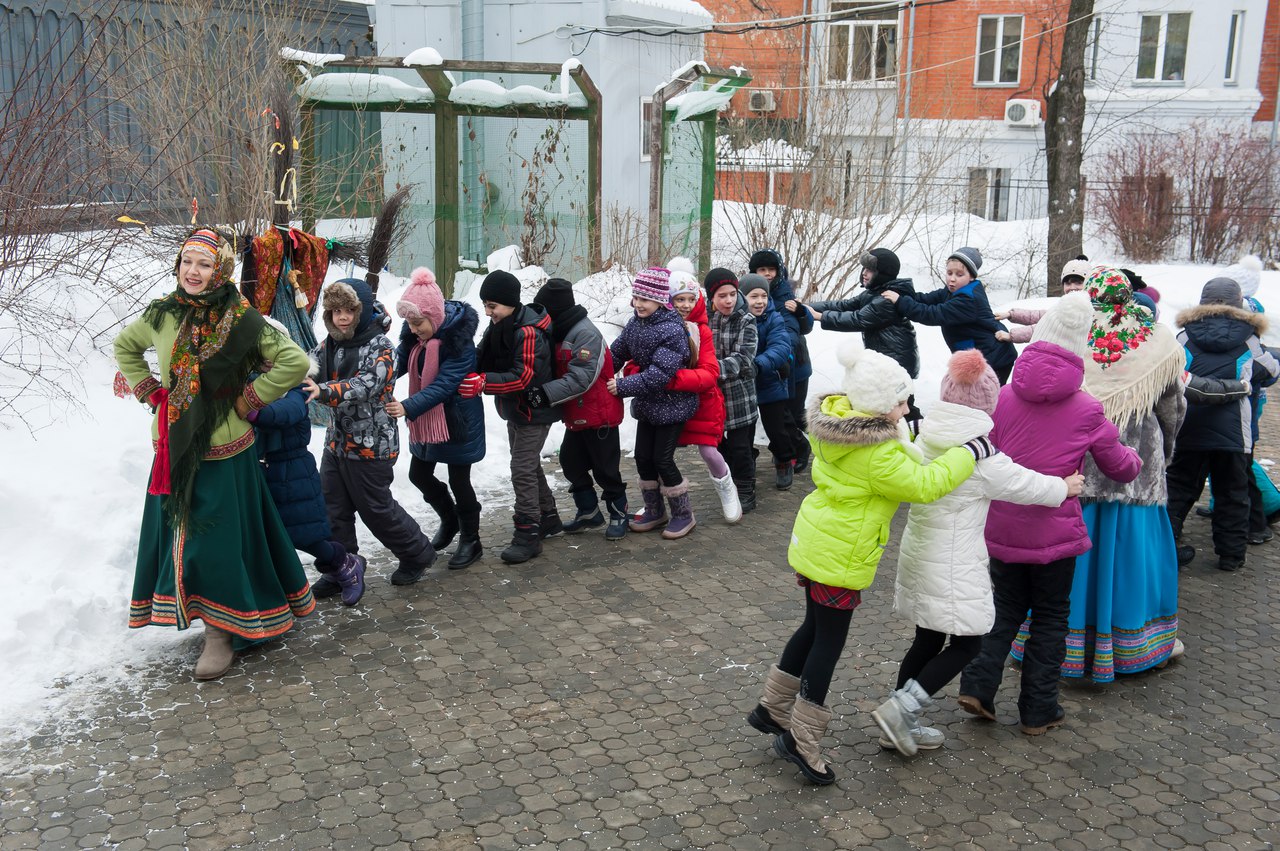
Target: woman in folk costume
{"x":212,"y":546}
{"x":1124,"y":597}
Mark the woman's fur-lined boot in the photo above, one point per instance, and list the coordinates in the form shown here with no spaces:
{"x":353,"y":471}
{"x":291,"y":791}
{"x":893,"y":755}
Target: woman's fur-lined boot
{"x":682,"y":519}
{"x":217,"y":657}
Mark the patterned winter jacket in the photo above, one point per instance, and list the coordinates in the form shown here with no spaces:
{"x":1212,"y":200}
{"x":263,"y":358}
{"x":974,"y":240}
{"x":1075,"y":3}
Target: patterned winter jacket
{"x":358,"y":382}
{"x":658,"y":347}
{"x":735,"y":338}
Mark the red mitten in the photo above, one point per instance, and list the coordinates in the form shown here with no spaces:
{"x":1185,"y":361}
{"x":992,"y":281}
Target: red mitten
{"x":472,"y":385}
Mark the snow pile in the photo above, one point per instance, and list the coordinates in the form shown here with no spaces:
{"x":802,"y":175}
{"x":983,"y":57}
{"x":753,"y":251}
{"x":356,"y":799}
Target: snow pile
{"x":691,"y":103}
{"x":426,"y":56}
{"x":315,"y":60}
{"x":490,"y":94}
{"x":362,"y":88}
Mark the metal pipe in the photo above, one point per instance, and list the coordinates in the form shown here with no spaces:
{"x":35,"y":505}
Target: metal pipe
{"x":906,"y":103}
{"x":473,"y":200}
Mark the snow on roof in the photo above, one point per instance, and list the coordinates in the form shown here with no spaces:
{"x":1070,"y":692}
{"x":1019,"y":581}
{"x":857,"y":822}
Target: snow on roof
{"x":678,"y":12}
{"x":315,"y":60}
{"x":362,"y":88}
{"x":699,"y":65}
{"x":423,"y":56}
{"x":489,"y":93}
{"x":689,"y":104}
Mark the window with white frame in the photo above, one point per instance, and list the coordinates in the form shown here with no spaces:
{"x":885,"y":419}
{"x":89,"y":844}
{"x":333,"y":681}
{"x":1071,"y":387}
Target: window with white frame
{"x":989,"y":193}
{"x":862,"y":43}
{"x":999,"y":49}
{"x":1162,"y":47}
{"x":1232,"y":74}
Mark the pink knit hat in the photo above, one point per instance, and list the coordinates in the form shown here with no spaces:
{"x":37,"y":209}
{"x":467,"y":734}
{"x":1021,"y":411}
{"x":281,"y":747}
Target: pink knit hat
{"x":423,"y":299}
{"x":971,"y":382}
{"x":653,"y":284}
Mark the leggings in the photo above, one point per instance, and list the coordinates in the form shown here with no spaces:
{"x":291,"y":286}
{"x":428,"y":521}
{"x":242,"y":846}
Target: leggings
{"x":714,"y":461}
{"x":656,"y":452}
{"x":933,"y":667}
{"x":814,"y":650}
{"x":422,"y":474}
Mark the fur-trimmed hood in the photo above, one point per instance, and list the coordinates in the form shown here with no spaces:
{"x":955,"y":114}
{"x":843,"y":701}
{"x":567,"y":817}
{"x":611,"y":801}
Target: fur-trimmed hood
{"x":1209,"y":311}
{"x":833,"y":420}
{"x":348,"y":294}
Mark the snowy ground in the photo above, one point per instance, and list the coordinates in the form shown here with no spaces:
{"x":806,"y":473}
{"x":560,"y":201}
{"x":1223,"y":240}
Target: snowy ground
{"x":74,"y":483}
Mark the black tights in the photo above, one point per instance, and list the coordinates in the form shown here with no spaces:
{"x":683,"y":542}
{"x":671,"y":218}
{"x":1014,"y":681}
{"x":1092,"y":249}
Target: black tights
{"x":422,"y":474}
{"x":814,"y":650}
{"x":931,"y":666}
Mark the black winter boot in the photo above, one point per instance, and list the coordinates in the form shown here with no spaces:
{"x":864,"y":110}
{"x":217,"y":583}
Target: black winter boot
{"x":469,"y":549}
{"x":746,"y":494}
{"x":443,"y":506}
{"x":588,"y":516}
{"x":525,"y":544}
{"x":619,"y":521}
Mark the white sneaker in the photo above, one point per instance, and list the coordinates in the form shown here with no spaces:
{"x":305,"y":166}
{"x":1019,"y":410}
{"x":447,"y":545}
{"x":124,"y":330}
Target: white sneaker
{"x":728,"y":493}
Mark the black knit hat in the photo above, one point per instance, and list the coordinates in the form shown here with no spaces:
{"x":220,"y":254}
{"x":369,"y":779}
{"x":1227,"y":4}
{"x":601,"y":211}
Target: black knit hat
{"x":883,"y":263}
{"x":717,"y":278}
{"x":765,"y":257}
{"x":556,"y":296}
{"x":501,"y":287}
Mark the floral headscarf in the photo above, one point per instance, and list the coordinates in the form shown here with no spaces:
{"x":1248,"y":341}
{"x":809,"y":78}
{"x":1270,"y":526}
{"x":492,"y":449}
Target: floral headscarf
{"x":1119,"y":325}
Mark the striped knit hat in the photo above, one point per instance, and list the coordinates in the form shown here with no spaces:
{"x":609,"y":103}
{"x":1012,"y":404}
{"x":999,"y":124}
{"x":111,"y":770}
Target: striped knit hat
{"x":653,"y":284}
{"x":203,"y":240}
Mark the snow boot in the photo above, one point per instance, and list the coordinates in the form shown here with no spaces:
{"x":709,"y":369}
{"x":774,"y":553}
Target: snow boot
{"x":217,"y":656}
{"x":618,"y":520}
{"x":347,"y":570}
{"x":442,"y":504}
{"x":410,"y":572}
{"x":525,"y":544}
{"x":589,"y":515}
{"x":801,"y":743}
{"x":469,"y":549}
{"x":682,"y":519}
{"x":773,"y":713}
{"x":654,"y":514}
{"x":746,"y":494}
{"x":728,"y":498}
{"x":784,"y":475}
{"x":550,"y":525}
{"x":803,"y":454}
{"x":897,"y":716}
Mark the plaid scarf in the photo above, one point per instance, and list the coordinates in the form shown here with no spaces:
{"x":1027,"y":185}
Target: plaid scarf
{"x":214,"y":351}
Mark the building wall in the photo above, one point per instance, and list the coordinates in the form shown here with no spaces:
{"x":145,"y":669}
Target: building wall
{"x":775,"y":58}
{"x":1269,"y":65}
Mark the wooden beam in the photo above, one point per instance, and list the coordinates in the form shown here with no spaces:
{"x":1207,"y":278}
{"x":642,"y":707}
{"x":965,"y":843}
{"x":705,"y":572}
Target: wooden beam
{"x":446,"y":179}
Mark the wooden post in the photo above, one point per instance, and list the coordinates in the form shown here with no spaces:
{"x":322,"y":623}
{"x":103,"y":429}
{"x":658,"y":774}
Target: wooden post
{"x":307,"y":179}
{"x":708,"y":200}
{"x":595,"y":149}
{"x":447,"y":237}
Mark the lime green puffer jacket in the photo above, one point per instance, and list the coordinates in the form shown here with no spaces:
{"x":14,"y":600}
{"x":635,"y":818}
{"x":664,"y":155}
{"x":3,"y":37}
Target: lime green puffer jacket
{"x":863,"y":466}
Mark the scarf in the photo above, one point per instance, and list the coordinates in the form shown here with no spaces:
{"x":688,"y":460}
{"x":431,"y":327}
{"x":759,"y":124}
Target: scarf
{"x":214,"y":351}
{"x":430,"y":427}
{"x":332,"y":345}
{"x":563,"y":322}
{"x":1119,"y":325}
{"x":497,"y":349}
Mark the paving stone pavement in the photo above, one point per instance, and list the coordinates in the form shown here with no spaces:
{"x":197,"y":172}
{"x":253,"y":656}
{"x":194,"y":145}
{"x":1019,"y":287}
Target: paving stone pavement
{"x":596,"y":697}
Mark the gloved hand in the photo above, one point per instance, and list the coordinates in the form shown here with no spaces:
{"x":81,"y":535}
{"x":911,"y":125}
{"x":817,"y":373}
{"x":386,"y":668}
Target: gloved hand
{"x":537,"y":398}
{"x":472,"y":385}
{"x":981,"y":448}
{"x":784,"y":371}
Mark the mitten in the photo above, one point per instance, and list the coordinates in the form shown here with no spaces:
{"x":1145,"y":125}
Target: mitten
{"x":981,"y":448}
{"x":537,"y":397}
{"x":472,"y":385}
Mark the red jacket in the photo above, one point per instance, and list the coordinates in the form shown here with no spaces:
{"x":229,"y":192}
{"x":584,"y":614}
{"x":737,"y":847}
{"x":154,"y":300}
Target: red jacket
{"x":706,"y":426}
{"x":597,"y":407}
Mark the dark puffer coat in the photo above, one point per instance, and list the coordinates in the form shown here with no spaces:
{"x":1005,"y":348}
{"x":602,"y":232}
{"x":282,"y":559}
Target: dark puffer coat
{"x":465,"y":417}
{"x":782,"y":290}
{"x":283,"y":435}
{"x":966,"y":320}
{"x":884,"y":330}
{"x":775,"y":381}
{"x":658,"y":347}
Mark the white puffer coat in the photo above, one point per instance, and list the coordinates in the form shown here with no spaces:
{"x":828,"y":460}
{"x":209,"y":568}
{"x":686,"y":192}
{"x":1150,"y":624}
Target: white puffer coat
{"x":943,"y":581}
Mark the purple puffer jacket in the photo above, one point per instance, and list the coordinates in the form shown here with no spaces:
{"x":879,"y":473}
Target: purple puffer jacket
{"x":1046,"y":423}
{"x":652,"y":349}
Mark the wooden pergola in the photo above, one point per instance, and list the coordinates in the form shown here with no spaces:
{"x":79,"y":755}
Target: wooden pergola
{"x":446,"y":112}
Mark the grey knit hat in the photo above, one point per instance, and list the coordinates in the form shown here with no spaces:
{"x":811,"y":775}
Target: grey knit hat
{"x":970,"y":257}
{"x":1222,"y":291}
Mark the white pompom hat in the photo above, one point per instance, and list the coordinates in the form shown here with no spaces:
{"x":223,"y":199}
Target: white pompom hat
{"x":874,"y":383}
{"x":1247,"y":272}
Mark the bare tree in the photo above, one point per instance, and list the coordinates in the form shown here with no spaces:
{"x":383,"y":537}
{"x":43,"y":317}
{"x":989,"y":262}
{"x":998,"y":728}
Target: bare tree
{"x":1064,"y":144}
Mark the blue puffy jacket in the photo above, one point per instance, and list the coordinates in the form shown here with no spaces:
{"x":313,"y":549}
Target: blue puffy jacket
{"x":283,"y":431}
{"x":775,"y":375}
{"x":797,"y":324}
{"x":966,"y":320}
{"x":465,"y":417}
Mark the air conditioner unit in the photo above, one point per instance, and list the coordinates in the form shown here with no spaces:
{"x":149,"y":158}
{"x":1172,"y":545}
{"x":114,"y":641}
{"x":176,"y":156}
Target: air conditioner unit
{"x":1022,"y":112}
{"x":761,"y":100}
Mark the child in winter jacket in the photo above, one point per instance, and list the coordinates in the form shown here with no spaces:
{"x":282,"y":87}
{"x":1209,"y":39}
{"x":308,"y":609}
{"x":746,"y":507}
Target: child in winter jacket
{"x":357,"y":369}
{"x":943,"y":584}
{"x":654,"y":343}
{"x":1073,"y":275}
{"x":733,"y":331}
{"x":437,"y":350}
{"x":1047,"y":423}
{"x":514,"y":355}
{"x":773,"y":379}
{"x":283,"y":433}
{"x":768,"y":263}
{"x":706,"y":427}
{"x":1221,"y":339}
{"x":864,"y":466}
{"x":583,"y":367}
{"x":962,"y":309}
{"x":884,"y":330}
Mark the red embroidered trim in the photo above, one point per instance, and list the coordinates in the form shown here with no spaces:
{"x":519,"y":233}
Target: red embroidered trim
{"x":251,"y":396}
{"x":226,"y":450}
{"x":145,"y":388}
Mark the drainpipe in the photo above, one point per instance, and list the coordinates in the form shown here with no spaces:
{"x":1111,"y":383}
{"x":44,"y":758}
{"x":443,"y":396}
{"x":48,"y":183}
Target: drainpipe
{"x":473,"y":150}
{"x":906,"y":102}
